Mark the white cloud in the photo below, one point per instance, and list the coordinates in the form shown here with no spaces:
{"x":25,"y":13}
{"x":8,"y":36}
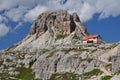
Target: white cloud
{"x":2,"y":19}
{"x":111,"y":8}
{"x":85,"y":8}
{"x":9,"y":4}
{"x":3,"y":30}
{"x":16,"y":14}
{"x":18,"y":25}
{"x":86,"y":12}
{"x":33,"y":13}
{"x":5,"y":5}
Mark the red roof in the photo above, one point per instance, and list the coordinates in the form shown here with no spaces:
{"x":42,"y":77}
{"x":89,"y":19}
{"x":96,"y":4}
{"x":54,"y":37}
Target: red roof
{"x":89,"y":37}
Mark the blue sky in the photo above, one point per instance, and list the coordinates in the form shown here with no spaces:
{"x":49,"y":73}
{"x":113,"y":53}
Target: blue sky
{"x":100,"y":17}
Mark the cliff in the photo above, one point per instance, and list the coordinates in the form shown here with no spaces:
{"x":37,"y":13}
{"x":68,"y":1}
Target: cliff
{"x":53,"y":50}
{"x":53,"y":28}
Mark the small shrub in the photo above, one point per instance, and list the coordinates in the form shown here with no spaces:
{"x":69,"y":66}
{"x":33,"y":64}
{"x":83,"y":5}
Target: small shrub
{"x":89,"y":59}
{"x":60,"y":36}
{"x":76,"y":37}
{"x":73,"y":49}
{"x":118,"y":72}
{"x":68,"y":50}
{"x":95,"y":72}
{"x":3,"y":76}
{"x":105,"y":77}
{"x":25,"y":74}
{"x":44,"y":50}
{"x":64,"y":76}
{"x":93,"y":50}
{"x":108,"y":66}
{"x":1,"y":62}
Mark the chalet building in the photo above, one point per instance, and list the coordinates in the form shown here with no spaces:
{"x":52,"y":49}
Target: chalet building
{"x":92,"y":39}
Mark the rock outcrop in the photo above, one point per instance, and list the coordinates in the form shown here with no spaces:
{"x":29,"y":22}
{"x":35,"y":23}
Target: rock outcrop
{"x":53,"y":51}
{"x":61,"y":63}
{"x":53,"y":28}
{"x":58,"y":22}
{"x":116,"y":61}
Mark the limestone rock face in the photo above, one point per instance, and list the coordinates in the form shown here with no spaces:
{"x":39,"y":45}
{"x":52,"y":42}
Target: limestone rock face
{"x":57,"y":22}
{"x":83,"y":63}
{"x":116,"y":77}
{"x":53,"y":28}
{"x":116,"y":61}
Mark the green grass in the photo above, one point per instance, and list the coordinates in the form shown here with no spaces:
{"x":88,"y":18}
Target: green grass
{"x":60,"y":36}
{"x":3,"y":76}
{"x":1,"y":62}
{"x":76,"y":37}
{"x":64,"y":76}
{"x":89,"y":59}
{"x":51,"y":53}
{"x":113,"y":45}
{"x":44,"y":50}
{"x":25,"y":74}
{"x":95,"y":72}
{"x":12,"y":47}
{"x":108,"y":66}
{"x":68,"y":50}
{"x":93,"y":51}
{"x":73,"y":49}
{"x":106,"y":77}
{"x":118,"y":72}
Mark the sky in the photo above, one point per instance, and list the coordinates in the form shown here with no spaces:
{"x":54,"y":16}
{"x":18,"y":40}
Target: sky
{"x":99,"y":16}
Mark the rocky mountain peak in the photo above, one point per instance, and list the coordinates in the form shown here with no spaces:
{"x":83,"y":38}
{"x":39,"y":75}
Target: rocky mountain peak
{"x":58,"y":22}
{"x":53,"y":28}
